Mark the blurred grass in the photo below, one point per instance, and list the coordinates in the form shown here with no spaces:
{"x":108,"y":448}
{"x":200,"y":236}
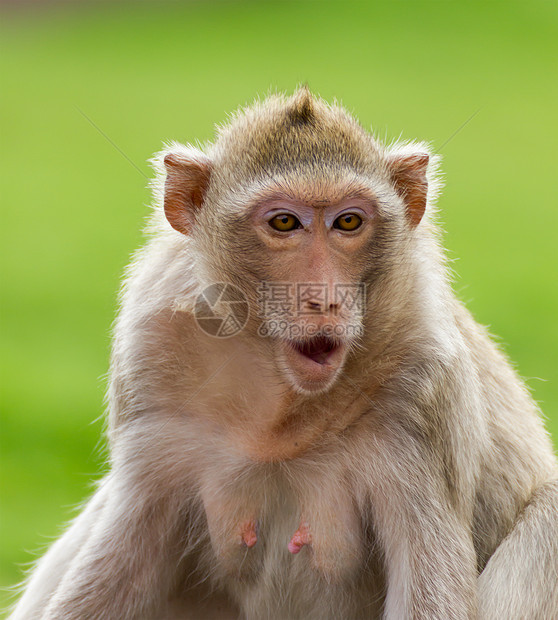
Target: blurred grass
{"x":73,"y":206}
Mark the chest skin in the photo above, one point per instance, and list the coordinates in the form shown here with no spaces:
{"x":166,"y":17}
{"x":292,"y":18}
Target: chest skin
{"x":334,"y":570}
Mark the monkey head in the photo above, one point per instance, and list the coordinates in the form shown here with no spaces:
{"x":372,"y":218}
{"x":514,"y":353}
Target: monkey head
{"x":299,"y":207}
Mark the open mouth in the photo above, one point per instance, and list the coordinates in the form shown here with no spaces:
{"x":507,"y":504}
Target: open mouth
{"x":318,"y":349}
{"x":311,"y":364}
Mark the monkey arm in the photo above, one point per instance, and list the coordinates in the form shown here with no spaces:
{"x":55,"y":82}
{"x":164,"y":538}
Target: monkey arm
{"x":51,"y":568}
{"x":427,"y":543}
{"x":519,"y":580}
{"x":127,"y":563}
{"x":424,"y":550}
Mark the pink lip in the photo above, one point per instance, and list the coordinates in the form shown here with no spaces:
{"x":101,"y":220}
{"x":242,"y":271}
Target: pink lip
{"x":314,"y":362}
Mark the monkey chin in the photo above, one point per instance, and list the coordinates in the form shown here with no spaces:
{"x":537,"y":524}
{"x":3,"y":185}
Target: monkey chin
{"x":313,"y":364}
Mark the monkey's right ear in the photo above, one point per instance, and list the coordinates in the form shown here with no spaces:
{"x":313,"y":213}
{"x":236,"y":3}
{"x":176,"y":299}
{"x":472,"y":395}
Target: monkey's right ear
{"x":186,"y":183}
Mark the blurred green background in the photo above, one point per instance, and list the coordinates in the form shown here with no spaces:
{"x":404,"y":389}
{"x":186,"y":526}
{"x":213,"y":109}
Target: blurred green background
{"x":86,"y":90}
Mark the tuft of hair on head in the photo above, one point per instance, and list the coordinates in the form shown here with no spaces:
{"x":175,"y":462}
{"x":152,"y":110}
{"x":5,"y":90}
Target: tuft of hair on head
{"x":301,"y":110}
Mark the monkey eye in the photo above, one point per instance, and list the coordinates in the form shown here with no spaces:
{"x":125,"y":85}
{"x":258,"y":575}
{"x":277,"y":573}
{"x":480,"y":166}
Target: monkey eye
{"x":348,"y":221}
{"x":284,"y":222}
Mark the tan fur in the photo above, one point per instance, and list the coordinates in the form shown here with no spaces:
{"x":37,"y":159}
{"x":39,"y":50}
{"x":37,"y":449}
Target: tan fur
{"x":410,"y":476}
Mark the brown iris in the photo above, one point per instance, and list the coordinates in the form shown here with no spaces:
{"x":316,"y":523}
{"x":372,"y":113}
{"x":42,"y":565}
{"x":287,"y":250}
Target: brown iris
{"x":284,"y":222}
{"x":347,"y":221}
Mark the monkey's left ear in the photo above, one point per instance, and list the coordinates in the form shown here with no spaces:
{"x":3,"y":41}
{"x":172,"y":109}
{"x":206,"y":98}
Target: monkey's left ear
{"x":186,"y":183}
{"x":408,"y":174}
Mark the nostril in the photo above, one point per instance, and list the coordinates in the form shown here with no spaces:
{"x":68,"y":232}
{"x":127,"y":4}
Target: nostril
{"x":313,"y":305}
{"x":317,"y":307}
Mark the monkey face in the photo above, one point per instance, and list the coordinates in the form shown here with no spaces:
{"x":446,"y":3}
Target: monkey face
{"x":306,"y":257}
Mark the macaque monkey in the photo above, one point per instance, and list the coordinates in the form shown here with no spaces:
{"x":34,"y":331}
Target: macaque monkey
{"x":305,"y":423}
